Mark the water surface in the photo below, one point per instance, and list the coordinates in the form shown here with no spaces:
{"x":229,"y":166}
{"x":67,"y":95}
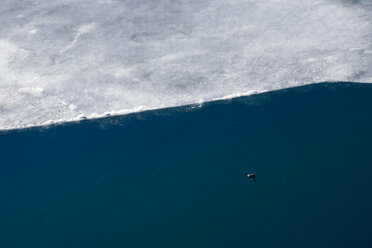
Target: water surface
{"x":175,"y":177}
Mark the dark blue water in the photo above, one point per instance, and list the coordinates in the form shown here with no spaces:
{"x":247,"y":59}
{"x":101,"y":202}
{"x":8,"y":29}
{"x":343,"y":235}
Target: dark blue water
{"x":175,"y":177}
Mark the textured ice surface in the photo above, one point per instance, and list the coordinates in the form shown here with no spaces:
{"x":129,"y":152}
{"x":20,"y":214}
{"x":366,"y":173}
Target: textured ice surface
{"x":64,"y":59}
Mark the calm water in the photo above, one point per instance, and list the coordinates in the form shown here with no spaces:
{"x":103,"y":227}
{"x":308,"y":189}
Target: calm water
{"x":175,"y":177}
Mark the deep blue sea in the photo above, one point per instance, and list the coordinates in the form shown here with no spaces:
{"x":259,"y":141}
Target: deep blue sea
{"x":175,"y":177}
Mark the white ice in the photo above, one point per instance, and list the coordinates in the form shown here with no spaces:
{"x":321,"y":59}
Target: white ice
{"x":62,"y":60}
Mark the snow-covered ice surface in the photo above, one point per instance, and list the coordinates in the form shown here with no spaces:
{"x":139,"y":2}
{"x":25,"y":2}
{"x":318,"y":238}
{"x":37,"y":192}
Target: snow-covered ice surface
{"x":64,"y":59}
